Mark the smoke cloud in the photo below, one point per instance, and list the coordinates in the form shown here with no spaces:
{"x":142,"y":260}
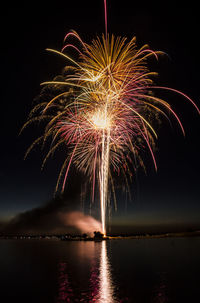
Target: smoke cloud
{"x":84,"y":223}
{"x":59,"y":216}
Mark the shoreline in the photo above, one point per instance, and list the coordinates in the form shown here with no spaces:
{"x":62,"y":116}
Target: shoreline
{"x":109,"y":237}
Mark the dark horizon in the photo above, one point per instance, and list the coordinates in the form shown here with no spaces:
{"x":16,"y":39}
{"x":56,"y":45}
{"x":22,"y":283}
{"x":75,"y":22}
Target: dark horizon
{"x":47,"y":220}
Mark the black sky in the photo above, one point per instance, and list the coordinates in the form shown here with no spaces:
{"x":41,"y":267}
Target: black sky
{"x":170,"y":196}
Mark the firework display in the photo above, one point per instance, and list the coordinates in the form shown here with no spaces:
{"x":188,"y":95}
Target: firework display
{"x":102,"y":111}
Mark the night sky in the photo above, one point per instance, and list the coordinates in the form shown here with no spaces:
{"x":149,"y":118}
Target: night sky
{"x":166,"y":199}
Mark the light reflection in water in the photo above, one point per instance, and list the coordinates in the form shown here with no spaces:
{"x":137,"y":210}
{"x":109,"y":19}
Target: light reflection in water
{"x":65,"y":293}
{"x":161,"y":289}
{"x":105,"y":280}
{"x":101,"y":288}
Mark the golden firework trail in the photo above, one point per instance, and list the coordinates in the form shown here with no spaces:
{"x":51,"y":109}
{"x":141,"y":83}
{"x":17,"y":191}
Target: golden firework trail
{"x":102,"y":109}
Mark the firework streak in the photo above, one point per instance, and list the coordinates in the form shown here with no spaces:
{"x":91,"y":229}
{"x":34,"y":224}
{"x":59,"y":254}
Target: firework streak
{"x":103,"y":110}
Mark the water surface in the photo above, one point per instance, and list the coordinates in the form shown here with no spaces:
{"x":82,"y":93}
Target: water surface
{"x":143,"y":270}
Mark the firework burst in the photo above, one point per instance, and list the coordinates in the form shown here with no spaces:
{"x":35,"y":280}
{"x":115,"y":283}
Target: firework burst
{"x":103,"y":110}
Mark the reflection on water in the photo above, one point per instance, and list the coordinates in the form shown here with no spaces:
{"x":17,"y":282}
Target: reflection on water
{"x":94,"y":282}
{"x":105,"y":282}
{"x":101,"y":288}
{"x":160,"y":292}
{"x":139,"y":271}
{"x":65,"y":292}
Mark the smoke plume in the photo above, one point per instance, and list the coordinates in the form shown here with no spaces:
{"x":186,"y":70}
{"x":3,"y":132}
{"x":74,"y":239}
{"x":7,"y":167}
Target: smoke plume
{"x":59,"y":216}
{"x":84,"y":223}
